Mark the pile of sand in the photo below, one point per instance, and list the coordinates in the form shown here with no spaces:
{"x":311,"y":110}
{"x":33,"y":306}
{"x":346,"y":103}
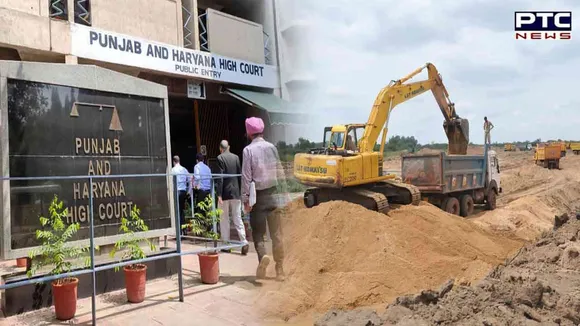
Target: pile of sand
{"x":536,"y":286}
{"x":341,"y":255}
{"x":532,"y":196}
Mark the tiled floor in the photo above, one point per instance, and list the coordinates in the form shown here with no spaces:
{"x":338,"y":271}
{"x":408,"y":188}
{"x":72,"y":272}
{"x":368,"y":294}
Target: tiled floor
{"x":227,"y":303}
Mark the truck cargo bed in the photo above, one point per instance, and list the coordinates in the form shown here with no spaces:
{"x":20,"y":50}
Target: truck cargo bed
{"x":441,"y":173}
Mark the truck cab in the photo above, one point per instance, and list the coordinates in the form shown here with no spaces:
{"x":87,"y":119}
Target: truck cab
{"x":493,"y":170}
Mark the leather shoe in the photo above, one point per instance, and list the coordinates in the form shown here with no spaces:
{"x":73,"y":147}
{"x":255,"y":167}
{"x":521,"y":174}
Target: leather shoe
{"x":245,"y":250}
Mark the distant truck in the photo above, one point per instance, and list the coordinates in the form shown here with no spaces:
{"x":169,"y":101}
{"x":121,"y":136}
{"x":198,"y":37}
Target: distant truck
{"x":548,"y":155}
{"x":455,"y":183}
{"x":575,"y":148}
{"x":509,"y":148}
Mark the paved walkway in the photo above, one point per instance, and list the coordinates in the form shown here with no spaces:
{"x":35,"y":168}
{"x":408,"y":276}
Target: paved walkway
{"x":226,"y":303}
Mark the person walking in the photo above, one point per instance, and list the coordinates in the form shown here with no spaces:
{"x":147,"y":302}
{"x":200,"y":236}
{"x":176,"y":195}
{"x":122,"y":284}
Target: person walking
{"x":487,"y":127}
{"x":201,"y":179}
{"x":182,"y":177}
{"x":262,"y":171}
{"x":228,"y":191}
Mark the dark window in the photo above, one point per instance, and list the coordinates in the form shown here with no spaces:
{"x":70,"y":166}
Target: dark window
{"x":83,"y":12}
{"x":58,"y":9}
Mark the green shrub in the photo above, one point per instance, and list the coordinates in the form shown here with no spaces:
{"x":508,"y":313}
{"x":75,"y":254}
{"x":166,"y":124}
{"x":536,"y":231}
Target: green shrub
{"x":129,"y":242}
{"x":53,"y":250}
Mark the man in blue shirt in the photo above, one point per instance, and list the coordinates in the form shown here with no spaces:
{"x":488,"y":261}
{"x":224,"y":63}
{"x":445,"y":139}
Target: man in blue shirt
{"x":182,"y":187}
{"x":201,"y":179}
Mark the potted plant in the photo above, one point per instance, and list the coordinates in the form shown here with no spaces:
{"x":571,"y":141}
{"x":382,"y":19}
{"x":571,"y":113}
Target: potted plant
{"x":22,"y":262}
{"x":129,"y":244}
{"x":54,"y":252}
{"x":201,"y":225}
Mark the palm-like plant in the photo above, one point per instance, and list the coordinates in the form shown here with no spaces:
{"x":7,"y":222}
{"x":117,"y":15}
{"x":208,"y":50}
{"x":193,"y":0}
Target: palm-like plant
{"x":130,"y":243}
{"x":202,"y":223}
{"x":54,"y":251}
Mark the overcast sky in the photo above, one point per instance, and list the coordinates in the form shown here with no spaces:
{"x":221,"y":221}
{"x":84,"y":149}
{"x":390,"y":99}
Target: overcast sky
{"x":528,"y":89}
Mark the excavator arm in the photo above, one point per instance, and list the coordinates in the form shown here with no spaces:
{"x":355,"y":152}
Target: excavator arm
{"x":397,"y":92}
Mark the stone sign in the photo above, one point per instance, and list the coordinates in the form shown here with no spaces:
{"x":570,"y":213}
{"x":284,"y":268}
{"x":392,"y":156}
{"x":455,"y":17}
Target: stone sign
{"x":67,"y":131}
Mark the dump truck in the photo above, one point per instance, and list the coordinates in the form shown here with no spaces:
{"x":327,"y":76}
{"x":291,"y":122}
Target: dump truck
{"x":548,"y":155}
{"x":455,"y":183}
{"x":562,"y":147}
{"x":575,"y":148}
{"x":509,"y":148}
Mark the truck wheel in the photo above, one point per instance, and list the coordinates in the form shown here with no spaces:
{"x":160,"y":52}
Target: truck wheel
{"x":466,"y":205}
{"x":490,"y":201}
{"x":451,"y":205}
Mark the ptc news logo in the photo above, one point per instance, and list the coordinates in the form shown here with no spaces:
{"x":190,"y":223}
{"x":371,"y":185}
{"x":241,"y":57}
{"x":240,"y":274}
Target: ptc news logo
{"x":543,"y":25}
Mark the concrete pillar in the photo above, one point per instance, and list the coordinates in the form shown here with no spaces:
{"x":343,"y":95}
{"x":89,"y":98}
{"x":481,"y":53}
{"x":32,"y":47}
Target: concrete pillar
{"x":191,"y":6}
{"x":71,"y":59}
{"x":179,"y":16}
{"x":71,"y":10}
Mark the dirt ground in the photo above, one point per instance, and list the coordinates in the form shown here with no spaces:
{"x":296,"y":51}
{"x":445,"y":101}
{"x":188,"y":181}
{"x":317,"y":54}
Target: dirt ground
{"x":342,"y":256}
{"x":540,"y":285}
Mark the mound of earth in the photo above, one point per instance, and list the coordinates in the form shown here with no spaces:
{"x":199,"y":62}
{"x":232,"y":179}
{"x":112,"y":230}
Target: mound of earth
{"x":532,"y":196}
{"x":540,"y":285}
{"x":341,"y":255}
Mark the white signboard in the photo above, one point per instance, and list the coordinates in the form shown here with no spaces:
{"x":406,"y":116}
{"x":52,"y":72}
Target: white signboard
{"x":95,"y":44}
{"x":195,"y":89}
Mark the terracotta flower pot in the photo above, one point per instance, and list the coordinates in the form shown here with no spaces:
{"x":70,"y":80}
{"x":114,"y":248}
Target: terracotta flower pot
{"x":64,"y":296}
{"x":22,"y":262}
{"x":209,"y":268}
{"x":135,"y":281}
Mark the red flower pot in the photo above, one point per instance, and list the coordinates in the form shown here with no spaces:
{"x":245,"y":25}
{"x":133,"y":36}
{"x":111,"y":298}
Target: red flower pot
{"x":64,"y":296}
{"x":22,"y":262}
{"x":135,"y":281}
{"x":209,"y":268}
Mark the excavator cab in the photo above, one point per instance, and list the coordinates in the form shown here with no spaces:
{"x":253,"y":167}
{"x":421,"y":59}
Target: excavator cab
{"x":344,"y":139}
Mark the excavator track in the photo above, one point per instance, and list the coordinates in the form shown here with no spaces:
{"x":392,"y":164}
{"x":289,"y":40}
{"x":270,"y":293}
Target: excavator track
{"x":375,"y":197}
{"x":413,"y":191}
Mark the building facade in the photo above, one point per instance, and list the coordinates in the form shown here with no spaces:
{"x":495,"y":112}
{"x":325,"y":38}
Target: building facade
{"x":221,"y":60}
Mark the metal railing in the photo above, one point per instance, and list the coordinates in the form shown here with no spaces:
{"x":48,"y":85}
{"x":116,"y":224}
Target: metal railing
{"x":94,"y":269}
{"x":203,"y":40}
{"x":187,"y":30}
{"x":83,"y":12}
{"x":267,"y":51}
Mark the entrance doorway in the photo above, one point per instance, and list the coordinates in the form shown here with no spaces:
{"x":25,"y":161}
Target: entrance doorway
{"x":198,"y":123}
{"x":182,"y":131}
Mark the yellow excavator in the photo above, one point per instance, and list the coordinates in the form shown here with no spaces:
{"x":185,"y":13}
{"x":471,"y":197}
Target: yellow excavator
{"x":349,"y":168}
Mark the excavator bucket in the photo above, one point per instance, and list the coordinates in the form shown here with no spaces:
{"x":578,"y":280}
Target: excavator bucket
{"x":457,"y":131}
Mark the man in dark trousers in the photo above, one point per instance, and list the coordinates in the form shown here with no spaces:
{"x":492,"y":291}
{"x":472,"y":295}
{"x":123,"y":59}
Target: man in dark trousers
{"x":182,"y":180}
{"x":228,"y":191}
{"x":261,"y":167}
{"x":201,"y":179}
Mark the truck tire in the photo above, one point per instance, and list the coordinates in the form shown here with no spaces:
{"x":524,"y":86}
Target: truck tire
{"x":451,"y":205}
{"x":466,"y":205}
{"x":490,"y":201}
